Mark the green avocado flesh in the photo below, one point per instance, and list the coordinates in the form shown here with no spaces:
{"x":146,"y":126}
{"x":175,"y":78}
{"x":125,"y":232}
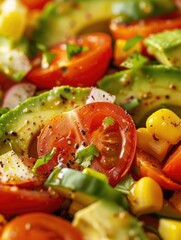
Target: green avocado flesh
{"x":70,"y":18}
{"x":107,"y":220}
{"x":21,"y":125}
{"x":166,"y":47}
{"x":145,"y":90}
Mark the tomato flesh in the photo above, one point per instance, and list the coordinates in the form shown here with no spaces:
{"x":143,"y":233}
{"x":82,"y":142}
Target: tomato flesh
{"x":149,"y":166}
{"x":145,"y":27}
{"x":35,"y":4}
{"x":37,"y":226}
{"x":16,"y":201}
{"x":84,"y":126}
{"x":82,"y":70}
{"x":172,"y":167}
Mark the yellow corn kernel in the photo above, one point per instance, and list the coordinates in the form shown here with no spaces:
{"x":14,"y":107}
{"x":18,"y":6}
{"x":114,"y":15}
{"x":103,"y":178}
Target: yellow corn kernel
{"x":169,"y":229}
{"x":158,"y":148}
{"x":12,"y":12}
{"x":165,"y":124}
{"x":146,"y":196}
{"x":120,"y":54}
{"x":96,"y":174}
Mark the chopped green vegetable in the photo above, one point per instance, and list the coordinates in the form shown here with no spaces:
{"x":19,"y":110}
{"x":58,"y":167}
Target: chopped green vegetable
{"x":109,"y":121}
{"x":47,"y":59}
{"x":47,"y":56}
{"x":96,"y":174}
{"x":85,"y":155}
{"x":125,"y":184}
{"x":136,"y":60}
{"x":43,"y":159}
{"x":132,"y":102}
{"x":132,"y":42}
{"x":73,"y":50}
{"x":3,"y":111}
{"x":81,"y":187}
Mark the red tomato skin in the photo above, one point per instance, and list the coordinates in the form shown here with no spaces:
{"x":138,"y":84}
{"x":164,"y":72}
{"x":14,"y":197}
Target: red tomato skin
{"x":36,"y":226}
{"x":83,"y":126}
{"x":15,"y":201}
{"x":5,"y":82}
{"x":35,"y":4}
{"x":82,"y":70}
{"x":150,"y":167}
{"x":172,"y":167}
{"x":146,"y":27}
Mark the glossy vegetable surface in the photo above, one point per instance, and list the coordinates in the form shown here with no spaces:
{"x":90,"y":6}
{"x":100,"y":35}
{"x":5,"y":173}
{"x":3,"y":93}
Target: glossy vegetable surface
{"x":37,"y":226}
{"x":86,"y":125}
{"x":83,"y":69}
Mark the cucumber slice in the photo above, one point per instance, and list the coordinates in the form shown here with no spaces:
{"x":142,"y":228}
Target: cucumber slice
{"x":83,"y":188}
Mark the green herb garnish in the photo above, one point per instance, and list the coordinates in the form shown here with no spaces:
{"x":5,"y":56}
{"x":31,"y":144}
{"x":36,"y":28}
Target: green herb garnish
{"x":43,"y":159}
{"x":125,"y":185}
{"x":135,"y":61}
{"x":132,"y":42}
{"x":47,"y":56}
{"x":73,"y":50}
{"x":109,"y":121}
{"x":85,"y":155}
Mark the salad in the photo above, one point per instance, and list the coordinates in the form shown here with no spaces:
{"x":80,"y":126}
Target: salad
{"x":90,"y":120}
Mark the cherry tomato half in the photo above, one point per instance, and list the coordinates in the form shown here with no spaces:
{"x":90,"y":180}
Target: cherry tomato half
{"x":16,"y":201}
{"x":145,"y":27}
{"x":84,"y":126}
{"x":36,"y":226}
{"x":84,"y":69}
{"x":149,"y":166}
{"x":35,"y":4}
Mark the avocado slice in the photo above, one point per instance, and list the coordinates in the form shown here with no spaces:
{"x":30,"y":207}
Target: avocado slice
{"x":144,"y":90}
{"x":72,"y":17}
{"x":107,"y":220}
{"x":21,"y":125}
{"x":166,"y":47}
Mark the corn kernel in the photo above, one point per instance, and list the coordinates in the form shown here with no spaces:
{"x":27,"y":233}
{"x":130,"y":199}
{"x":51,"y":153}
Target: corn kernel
{"x":96,"y":174}
{"x":146,"y":141}
{"x":146,"y":196}
{"x":169,"y":229}
{"x":165,"y":124}
{"x":12,"y":12}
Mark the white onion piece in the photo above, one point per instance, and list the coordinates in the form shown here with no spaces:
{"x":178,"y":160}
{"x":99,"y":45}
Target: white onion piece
{"x":98,"y":95}
{"x":18,"y":93}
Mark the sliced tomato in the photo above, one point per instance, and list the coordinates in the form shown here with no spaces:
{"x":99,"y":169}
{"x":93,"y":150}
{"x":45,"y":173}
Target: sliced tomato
{"x":35,"y":4}
{"x":172,"y":167}
{"x":84,"y":126}
{"x":145,"y":27}
{"x":84,"y":69}
{"x":15,"y":201}
{"x":149,"y":166}
{"x":36,"y":226}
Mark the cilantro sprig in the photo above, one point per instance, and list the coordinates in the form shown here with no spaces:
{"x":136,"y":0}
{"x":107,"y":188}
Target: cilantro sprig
{"x":73,"y":50}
